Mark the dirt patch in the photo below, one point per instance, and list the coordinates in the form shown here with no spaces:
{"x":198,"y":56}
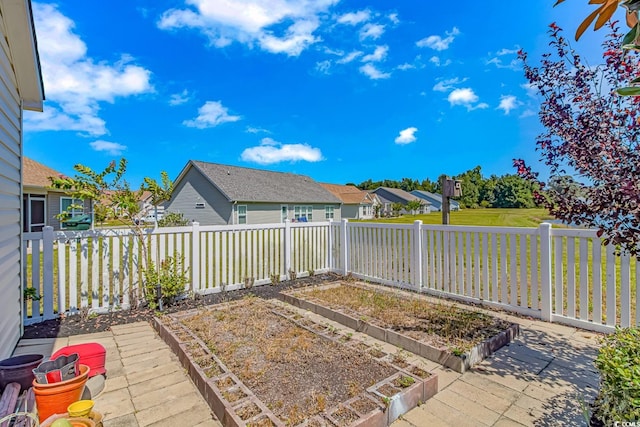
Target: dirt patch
{"x":295,"y":372}
{"x":441,"y":325}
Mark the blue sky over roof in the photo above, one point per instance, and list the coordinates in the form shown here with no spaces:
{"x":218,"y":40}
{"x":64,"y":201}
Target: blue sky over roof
{"x":342,"y":91}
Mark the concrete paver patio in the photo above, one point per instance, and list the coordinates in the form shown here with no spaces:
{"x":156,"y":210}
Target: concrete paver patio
{"x":145,"y":386}
{"x":544,"y":378}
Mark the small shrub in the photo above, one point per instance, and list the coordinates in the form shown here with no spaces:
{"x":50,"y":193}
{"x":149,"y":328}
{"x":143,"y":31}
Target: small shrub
{"x":619,"y":364}
{"x":173,"y":219}
{"x":171,"y":278}
{"x":275,"y":279}
{"x":292,"y":274}
{"x":31,"y":294}
{"x":248,"y":282}
{"x":311,"y":272}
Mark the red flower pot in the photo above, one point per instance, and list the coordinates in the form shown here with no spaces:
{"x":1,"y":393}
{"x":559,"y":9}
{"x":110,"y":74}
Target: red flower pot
{"x":54,"y":398}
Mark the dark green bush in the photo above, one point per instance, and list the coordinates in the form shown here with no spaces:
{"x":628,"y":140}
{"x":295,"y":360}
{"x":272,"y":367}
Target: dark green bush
{"x":619,"y":364}
{"x":171,"y":277}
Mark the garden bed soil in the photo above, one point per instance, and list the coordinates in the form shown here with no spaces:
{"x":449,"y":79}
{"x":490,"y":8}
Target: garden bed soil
{"x":274,"y":364}
{"x":79,"y":324}
{"x":443,"y":332}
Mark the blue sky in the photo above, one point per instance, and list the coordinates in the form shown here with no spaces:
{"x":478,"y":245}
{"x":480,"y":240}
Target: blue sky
{"x":340,"y":90}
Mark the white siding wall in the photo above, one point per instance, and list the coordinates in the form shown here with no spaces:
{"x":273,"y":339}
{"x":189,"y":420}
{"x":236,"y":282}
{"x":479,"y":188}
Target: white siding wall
{"x":10,"y":201}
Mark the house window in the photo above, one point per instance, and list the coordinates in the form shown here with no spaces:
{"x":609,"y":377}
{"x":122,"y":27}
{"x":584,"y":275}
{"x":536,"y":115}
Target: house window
{"x":328,"y":212}
{"x":303,"y":213}
{"x":242,"y":214}
{"x":73,"y":207}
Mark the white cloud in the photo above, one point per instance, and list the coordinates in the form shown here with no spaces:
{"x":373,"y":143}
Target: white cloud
{"x":406,"y":136}
{"x":467,"y":98}
{"x":253,"y":129}
{"x":323,"y":66}
{"x":437,"y":42}
{"x":512,"y":64}
{"x":179,"y":98}
{"x":405,"y":66}
{"x":270,"y":152}
{"x":435,"y":60}
{"x":532,"y":90}
{"x":252,"y":22}
{"x":508,"y":103}
{"x":393,"y":17}
{"x":211,"y":114}
{"x":448,"y":84}
{"x":373,"y":73}
{"x":354,"y":18}
{"x":504,"y":51}
{"x":76,"y":84}
{"x":350,"y":57}
{"x":527,"y":113}
{"x":112,"y":148}
{"x":371,"y":31}
{"x":379,"y":54}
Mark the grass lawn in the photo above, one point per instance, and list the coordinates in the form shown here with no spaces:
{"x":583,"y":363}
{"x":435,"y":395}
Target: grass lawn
{"x":484,"y":217}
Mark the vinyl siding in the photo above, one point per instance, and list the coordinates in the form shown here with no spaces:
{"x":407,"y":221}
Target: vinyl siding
{"x":195,"y":188}
{"x":350,"y":211}
{"x":10,"y":203}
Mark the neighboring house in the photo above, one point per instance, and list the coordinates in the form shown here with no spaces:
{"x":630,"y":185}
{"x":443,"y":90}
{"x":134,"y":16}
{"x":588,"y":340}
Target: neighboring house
{"x":147,"y":208}
{"x":389,"y":196}
{"x":42,"y":204}
{"x":20,"y":89}
{"x":215,"y":194}
{"x":436,"y":200}
{"x":356,"y":203}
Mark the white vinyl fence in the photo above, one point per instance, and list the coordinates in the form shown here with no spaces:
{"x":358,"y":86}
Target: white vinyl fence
{"x":558,"y":275}
{"x":102,"y":270}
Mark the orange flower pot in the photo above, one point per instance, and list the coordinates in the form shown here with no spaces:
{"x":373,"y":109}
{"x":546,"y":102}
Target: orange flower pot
{"x":55,"y":398}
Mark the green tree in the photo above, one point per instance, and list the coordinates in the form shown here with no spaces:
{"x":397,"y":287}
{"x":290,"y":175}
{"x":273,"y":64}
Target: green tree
{"x":512,"y":191}
{"x":414,"y":205}
{"x":111,"y":189}
{"x":396,"y":208}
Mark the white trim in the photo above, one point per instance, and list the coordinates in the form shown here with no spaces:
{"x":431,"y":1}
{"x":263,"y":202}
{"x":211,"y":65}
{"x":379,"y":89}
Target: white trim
{"x":18,"y":23}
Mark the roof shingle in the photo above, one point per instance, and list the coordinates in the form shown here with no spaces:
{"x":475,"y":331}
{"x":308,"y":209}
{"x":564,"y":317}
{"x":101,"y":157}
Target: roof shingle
{"x":349,"y":194}
{"x":256,"y":185}
{"x":36,"y":174}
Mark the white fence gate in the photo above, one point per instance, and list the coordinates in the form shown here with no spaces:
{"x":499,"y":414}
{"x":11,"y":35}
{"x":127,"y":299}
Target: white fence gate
{"x":559,"y":275}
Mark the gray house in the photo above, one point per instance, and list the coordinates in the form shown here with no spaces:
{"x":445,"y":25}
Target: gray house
{"x":435,"y":200}
{"x":389,"y":196}
{"x":215,"y":194}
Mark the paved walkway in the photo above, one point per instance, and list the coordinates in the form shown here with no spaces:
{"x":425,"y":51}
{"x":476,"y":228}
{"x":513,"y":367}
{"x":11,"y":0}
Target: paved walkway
{"x":544,"y":378}
{"x":145,"y":386}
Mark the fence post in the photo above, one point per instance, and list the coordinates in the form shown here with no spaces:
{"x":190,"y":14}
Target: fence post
{"x":344,"y":247}
{"x":416,"y":258}
{"x":288,"y":246}
{"x":195,"y":257}
{"x":47,"y":272}
{"x":545,"y":271}
{"x":330,"y":246}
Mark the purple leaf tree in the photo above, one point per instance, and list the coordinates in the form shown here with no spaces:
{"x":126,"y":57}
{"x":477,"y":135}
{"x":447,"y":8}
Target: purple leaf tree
{"x":590,"y":143}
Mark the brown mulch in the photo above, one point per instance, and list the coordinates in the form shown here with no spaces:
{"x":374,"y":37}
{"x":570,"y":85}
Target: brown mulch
{"x":77,"y":324}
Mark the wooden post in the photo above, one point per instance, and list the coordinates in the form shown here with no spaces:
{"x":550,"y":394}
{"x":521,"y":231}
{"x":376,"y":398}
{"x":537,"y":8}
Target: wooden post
{"x":444,"y":188}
